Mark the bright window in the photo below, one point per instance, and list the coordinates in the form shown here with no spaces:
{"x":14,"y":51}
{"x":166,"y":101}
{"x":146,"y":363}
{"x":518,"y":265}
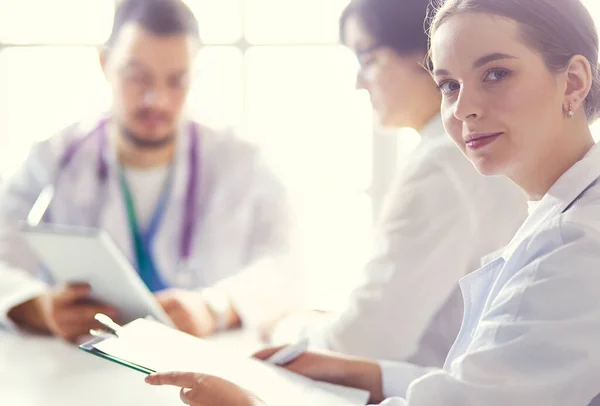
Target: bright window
{"x":270,"y":68}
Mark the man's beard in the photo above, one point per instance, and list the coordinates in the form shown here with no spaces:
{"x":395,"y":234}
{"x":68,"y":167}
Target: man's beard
{"x":142,"y":142}
{"x":145,"y":143}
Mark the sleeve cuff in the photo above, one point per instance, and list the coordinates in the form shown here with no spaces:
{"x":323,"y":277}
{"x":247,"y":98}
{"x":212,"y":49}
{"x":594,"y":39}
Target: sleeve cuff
{"x":396,"y":377}
{"x":261,"y":293}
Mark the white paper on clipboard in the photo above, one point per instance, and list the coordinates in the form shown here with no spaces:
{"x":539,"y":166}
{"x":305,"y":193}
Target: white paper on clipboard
{"x":160,"y":348}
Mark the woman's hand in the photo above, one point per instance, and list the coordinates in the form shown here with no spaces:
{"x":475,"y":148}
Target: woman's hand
{"x":337,"y":369}
{"x":205,"y":390}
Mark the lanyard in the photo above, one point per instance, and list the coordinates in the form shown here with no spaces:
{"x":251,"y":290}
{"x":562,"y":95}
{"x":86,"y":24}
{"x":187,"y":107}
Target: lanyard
{"x":143,"y":240}
{"x":189,"y":216}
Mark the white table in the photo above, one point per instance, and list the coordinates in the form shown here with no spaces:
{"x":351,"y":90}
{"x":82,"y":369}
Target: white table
{"x":43,"y":371}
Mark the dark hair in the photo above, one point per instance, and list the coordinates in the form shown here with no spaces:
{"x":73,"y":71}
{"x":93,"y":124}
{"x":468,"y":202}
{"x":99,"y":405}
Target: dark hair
{"x":557,"y":29}
{"x":161,"y":17}
{"x":398,"y":24}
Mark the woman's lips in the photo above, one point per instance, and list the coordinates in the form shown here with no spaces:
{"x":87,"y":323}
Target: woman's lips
{"x":476,"y":141}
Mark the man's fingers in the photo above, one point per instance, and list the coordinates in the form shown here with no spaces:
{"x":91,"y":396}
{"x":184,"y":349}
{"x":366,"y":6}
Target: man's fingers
{"x":181,"y":379}
{"x":80,"y":314}
{"x":71,"y":293}
{"x":182,"y":320}
{"x":72,"y":332}
{"x":176,"y":315}
{"x":162,"y":299}
{"x":267,"y":352}
{"x":169,"y":304}
{"x":74,"y":321}
{"x":183,"y":323}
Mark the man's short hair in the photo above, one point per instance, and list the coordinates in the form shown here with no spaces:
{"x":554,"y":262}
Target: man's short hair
{"x":160,"y":17}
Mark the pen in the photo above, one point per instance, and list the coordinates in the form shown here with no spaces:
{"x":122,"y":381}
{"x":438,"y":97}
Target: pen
{"x":289,"y":353}
{"x":107,"y":322}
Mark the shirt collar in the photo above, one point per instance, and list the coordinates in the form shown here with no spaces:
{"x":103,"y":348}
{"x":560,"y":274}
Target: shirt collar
{"x":561,"y":195}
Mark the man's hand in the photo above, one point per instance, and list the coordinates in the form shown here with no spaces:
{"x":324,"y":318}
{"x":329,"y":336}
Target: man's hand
{"x":205,"y":390}
{"x":337,"y":369}
{"x":188,"y":311}
{"x":66,"y":312}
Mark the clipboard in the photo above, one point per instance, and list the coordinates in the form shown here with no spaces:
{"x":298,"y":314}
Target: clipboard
{"x":89,"y":348}
{"x":148,"y":346}
{"x":111,"y":330}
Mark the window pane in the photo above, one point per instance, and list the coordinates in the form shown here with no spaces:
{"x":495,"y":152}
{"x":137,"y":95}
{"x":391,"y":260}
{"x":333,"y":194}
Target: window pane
{"x":66,"y":21}
{"x":43,"y":90}
{"x":293,"y":21}
{"x":302,"y":107}
{"x":594,"y":9}
{"x":336,"y":240}
{"x":220,"y":21}
{"x":216,"y":96}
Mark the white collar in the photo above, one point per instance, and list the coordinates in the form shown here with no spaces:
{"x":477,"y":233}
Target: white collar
{"x":561,"y":195}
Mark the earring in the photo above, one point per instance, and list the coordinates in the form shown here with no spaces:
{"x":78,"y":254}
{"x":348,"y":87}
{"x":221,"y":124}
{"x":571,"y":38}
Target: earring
{"x":570,"y":113}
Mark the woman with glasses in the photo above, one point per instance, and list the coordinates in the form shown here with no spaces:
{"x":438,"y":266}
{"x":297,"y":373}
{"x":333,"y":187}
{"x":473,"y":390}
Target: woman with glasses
{"x":440,"y":216}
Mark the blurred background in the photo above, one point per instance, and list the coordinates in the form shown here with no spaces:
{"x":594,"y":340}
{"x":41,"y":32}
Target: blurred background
{"x":271,"y":69}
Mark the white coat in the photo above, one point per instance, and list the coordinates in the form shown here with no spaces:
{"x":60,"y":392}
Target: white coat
{"x":439,"y":219}
{"x":531,"y":328}
{"x":242,"y":236}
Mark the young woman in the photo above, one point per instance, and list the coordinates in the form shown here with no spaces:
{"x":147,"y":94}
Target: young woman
{"x":440,"y":216}
{"x":519,"y":82}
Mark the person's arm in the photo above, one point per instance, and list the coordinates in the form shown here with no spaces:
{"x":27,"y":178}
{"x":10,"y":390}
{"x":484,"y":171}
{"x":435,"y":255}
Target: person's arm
{"x":25,"y":301}
{"x":205,"y":390}
{"x":18,"y":264}
{"x":538,"y":342}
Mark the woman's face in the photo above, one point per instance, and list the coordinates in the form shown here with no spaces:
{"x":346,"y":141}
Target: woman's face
{"x":500,"y":103}
{"x":395,"y":83}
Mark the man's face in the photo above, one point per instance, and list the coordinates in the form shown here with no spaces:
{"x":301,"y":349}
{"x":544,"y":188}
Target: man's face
{"x":150,"y":77}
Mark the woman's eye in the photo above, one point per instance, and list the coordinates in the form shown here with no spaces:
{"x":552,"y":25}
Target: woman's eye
{"x":448,"y":86}
{"x":495,"y":75}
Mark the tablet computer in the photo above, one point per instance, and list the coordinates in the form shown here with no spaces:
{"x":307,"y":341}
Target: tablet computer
{"x":90,"y":255}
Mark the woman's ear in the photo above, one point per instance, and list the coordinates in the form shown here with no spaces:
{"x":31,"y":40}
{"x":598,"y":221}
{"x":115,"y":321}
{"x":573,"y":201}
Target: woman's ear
{"x":579,"y":83}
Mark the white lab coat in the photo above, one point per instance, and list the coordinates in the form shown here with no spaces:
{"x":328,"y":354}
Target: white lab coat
{"x":242,"y":238}
{"x":531,"y":328}
{"x":439,"y":219}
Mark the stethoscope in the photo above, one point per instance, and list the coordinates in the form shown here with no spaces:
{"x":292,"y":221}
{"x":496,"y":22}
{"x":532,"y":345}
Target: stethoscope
{"x":38,"y":210}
